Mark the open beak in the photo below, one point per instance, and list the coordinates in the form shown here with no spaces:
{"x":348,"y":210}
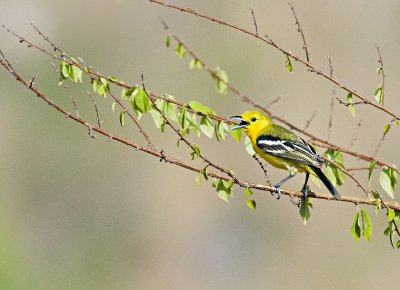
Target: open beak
{"x":243,"y":123}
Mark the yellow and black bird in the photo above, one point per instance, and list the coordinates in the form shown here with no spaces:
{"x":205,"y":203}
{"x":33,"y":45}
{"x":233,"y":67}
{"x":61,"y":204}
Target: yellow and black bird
{"x":282,"y":149}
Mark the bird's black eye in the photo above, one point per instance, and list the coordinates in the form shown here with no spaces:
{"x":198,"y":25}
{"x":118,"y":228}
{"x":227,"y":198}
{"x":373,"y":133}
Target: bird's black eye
{"x":253,"y":119}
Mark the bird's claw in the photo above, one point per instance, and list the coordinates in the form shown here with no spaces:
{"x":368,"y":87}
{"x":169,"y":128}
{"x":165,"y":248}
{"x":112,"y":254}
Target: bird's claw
{"x":305,"y":192}
{"x":278,"y":192}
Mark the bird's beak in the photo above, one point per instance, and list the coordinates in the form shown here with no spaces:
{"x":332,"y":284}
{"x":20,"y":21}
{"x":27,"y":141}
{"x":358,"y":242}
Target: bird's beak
{"x":243,"y":123}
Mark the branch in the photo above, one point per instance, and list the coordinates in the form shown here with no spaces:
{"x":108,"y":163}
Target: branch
{"x":169,"y":159}
{"x":287,"y":52}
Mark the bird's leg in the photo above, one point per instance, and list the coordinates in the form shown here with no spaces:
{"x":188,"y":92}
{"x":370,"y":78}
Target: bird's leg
{"x":304,"y":188}
{"x":279,"y":184}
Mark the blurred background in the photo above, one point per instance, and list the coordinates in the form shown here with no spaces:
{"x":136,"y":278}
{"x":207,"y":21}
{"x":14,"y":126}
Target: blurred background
{"x":78,"y":213}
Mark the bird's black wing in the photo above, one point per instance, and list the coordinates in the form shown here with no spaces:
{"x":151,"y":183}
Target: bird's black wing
{"x":293,"y":149}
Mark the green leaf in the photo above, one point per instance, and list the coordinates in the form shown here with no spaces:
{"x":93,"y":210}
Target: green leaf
{"x":113,"y":106}
{"x":167,"y":40}
{"x":205,"y":172}
{"x":389,"y":231}
{"x":75,"y":73}
{"x":206,"y":126}
{"x":248,"y":192}
{"x":391,"y":214}
{"x":199,"y":107}
{"x":378,"y":70}
{"x":288,"y":64}
{"x":224,"y":189}
{"x":237,"y":133}
{"x":183,"y":122}
{"x":180,"y":50}
{"x":379,"y":94}
{"x":158,"y":119}
{"x":355,"y":228}
{"x":170,"y":109}
{"x":251,"y":203}
{"x":195,"y":63}
{"x":64,"y":70}
{"x":249,"y":146}
{"x":387,"y":181}
{"x":142,"y":101}
{"x":371,"y":169}
{"x":196,"y":151}
{"x":305,"y":209}
{"x":386,"y":128}
{"x":366,"y":224}
{"x":221,"y":78}
{"x":398,"y":244}
{"x":221,"y":131}
{"x":122,"y":118}
{"x":351,"y":107}
{"x":336,"y":176}
{"x":198,"y":179}
{"x":193,"y":126}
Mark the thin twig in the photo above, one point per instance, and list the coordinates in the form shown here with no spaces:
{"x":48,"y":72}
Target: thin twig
{"x":381,"y":72}
{"x":300,"y":30}
{"x":309,"y":121}
{"x":273,"y":102}
{"x":263,"y":169}
{"x":254,"y":20}
{"x":96,"y":110}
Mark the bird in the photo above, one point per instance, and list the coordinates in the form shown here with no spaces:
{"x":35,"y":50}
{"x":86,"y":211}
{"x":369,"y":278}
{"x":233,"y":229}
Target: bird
{"x":282,"y":149}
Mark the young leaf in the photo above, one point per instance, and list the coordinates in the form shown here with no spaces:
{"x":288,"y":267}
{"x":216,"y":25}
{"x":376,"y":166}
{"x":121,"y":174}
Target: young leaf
{"x":158,"y":119}
{"x":167,"y":40}
{"x":387,"y":181}
{"x":193,"y":123}
{"x":113,"y":106}
{"x":379,"y":94}
{"x":248,"y":192}
{"x":249,"y":146}
{"x":355,"y":228}
{"x":142,"y":101}
{"x":224,"y":189}
{"x":180,"y":50}
{"x":288,"y":64}
{"x":183,"y":122}
{"x":371,"y":169}
{"x":205,"y":172}
{"x":196,"y":151}
{"x":389,"y":231}
{"x":237,"y":134}
{"x":386,"y":128}
{"x":366,"y":225}
{"x":221,"y":78}
{"x":251,"y":203}
{"x":351,"y":107}
{"x":64,"y":70}
{"x":122,"y":118}
{"x":305,"y":209}
{"x":198,"y":179}
{"x":221,"y":131}
{"x":207,"y":126}
{"x":391,"y":214}
{"x":195,"y":63}
{"x":170,"y":109}
{"x":199,"y":107}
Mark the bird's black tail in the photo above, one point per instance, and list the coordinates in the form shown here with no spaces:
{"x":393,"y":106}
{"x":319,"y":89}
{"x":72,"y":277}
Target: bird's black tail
{"x":325,"y":181}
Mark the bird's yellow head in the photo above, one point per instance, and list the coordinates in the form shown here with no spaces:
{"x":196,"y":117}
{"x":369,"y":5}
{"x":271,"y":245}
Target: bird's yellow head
{"x":252,"y":122}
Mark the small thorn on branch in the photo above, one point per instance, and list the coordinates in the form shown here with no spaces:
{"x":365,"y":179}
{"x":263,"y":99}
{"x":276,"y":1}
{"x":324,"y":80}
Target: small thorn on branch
{"x":31,"y":83}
